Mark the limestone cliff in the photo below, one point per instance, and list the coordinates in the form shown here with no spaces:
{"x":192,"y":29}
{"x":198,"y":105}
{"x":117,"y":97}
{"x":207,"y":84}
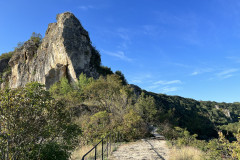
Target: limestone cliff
{"x":65,"y":51}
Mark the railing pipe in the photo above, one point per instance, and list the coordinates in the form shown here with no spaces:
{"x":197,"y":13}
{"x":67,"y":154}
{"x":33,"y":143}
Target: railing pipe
{"x":115,"y":138}
{"x":102,"y":148}
{"x":96,"y":152}
{"x":107,"y":146}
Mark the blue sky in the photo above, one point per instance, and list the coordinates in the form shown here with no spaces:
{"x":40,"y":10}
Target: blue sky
{"x":189,"y":48}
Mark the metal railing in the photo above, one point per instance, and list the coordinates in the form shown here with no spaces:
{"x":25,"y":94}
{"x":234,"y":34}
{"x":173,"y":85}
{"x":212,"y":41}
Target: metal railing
{"x":107,"y":144}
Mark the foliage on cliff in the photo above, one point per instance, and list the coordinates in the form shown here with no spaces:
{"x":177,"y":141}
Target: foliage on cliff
{"x":6,"y":55}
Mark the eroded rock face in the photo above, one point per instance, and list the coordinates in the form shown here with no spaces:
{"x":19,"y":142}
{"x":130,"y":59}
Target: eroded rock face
{"x":65,"y":51}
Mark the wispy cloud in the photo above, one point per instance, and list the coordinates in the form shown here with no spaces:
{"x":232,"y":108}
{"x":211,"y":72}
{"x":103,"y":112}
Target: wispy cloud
{"x":180,"y":65}
{"x":86,"y":7}
{"x":202,"y":70}
{"x":138,"y":81}
{"x":151,"y":30}
{"x":227,"y":73}
{"x":141,"y":78}
{"x":195,"y":73}
{"x":165,"y":86}
{"x":235,"y":59}
{"x":168,"y":82}
{"x":125,"y":35}
{"x":119,"y":54}
{"x":169,"y":89}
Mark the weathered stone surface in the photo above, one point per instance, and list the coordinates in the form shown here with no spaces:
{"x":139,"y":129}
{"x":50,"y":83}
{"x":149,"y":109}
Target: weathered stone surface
{"x":65,"y":51}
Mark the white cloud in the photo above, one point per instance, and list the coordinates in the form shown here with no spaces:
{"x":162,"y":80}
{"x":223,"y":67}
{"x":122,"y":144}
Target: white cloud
{"x":86,"y":7}
{"x":169,"y":89}
{"x":227,"y":76}
{"x":118,"y":54}
{"x":202,"y":70}
{"x":136,"y":81}
{"x":153,"y":87}
{"x":235,"y":59}
{"x":152,"y":30}
{"x":195,"y":73}
{"x":227,"y":73}
{"x":168,"y":82}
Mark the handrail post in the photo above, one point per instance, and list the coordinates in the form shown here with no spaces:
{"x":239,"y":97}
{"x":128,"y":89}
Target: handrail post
{"x":110,"y":137}
{"x":95,"y":152}
{"x":114,"y":140}
{"x":118,"y":137}
{"x":102,"y":149}
{"x":107,"y":146}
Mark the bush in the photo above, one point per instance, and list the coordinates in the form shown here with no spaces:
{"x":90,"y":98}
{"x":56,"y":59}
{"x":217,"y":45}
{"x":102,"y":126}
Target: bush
{"x":133,"y":126}
{"x":32,"y":122}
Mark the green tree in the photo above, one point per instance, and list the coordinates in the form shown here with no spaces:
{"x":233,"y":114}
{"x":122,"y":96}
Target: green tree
{"x":61,"y":88}
{"x":109,"y":94}
{"x":83,"y":82}
{"x":32,"y":123}
{"x":96,"y":126}
{"x":146,"y":107}
{"x":133,"y":126}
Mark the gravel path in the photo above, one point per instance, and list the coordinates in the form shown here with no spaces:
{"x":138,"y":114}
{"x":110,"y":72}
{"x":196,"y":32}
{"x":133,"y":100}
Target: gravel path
{"x":145,"y":149}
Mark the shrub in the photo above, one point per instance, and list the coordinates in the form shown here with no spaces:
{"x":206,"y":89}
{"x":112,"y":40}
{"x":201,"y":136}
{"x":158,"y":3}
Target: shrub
{"x":33,"y":124}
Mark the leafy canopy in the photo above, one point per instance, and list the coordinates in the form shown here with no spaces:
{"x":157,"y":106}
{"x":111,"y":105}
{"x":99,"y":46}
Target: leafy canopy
{"x":31,"y":122}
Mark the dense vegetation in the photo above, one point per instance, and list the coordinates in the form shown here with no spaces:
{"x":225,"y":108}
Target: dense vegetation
{"x":107,"y":105}
{"x":34,"y":125}
{"x":198,"y":117}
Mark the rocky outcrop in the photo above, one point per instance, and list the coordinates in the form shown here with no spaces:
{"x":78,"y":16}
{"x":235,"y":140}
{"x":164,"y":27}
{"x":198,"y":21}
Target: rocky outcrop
{"x":65,"y":51}
{"x":226,"y":112}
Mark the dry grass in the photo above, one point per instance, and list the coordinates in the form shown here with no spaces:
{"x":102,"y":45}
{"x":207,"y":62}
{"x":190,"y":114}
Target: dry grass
{"x":186,"y":153}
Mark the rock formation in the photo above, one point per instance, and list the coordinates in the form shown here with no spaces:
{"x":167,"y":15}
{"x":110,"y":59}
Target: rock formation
{"x":65,"y":51}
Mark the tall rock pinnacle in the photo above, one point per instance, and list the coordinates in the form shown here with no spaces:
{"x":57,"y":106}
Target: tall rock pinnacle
{"x":65,"y":51}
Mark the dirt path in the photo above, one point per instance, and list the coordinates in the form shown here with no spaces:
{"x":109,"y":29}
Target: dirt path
{"x":146,"y":149}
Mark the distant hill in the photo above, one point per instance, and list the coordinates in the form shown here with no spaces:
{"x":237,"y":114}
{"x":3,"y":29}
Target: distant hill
{"x":200,"y":117}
